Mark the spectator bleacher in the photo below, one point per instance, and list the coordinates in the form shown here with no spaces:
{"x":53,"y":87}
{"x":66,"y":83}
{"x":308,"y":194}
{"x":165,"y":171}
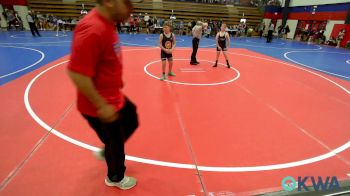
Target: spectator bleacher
{"x":184,"y":11}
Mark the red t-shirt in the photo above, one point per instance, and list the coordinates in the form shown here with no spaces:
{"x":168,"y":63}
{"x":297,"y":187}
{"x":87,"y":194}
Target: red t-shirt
{"x":96,"y":53}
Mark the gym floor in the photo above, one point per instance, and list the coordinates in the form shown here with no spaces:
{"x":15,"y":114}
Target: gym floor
{"x":282,"y":109}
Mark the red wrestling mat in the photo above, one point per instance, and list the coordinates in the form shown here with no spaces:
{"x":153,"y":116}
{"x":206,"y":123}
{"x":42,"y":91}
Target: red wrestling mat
{"x":245,"y":128}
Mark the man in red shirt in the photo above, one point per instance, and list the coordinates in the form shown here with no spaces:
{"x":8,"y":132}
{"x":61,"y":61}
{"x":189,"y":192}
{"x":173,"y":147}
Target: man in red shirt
{"x":96,"y":70}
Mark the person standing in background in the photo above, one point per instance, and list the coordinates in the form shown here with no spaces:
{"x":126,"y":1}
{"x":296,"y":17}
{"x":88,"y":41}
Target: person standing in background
{"x":270,"y":33}
{"x":261,"y":29}
{"x":340,"y":37}
{"x":31,"y":22}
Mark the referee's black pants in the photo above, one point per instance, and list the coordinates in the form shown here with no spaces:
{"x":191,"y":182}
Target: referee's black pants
{"x":33,"y":28}
{"x":195,"y":44}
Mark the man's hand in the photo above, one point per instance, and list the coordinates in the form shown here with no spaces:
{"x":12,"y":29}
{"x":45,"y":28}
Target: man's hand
{"x":107,"y":113}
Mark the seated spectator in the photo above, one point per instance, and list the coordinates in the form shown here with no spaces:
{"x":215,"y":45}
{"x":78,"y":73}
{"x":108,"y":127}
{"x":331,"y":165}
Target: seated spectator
{"x":331,"y":42}
{"x":286,"y":30}
{"x":322,"y":39}
{"x":18,"y":22}
{"x":132,"y":29}
{"x":189,"y":28}
{"x":126,"y":26}
{"x":340,"y":37}
{"x":11,"y":19}
{"x":254,"y":3}
{"x":207,"y":32}
{"x":161,"y":21}
{"x":274,"y":3}
{"x":181,"y":28}
{"x":61,"y":26}
{"x":250,"y":31}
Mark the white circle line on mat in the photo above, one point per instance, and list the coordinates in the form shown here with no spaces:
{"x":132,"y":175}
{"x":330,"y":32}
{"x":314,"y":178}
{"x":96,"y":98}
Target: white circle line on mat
{"x":29,"y":66}
{"x":330,"y":154}
{"x":302,"y":64}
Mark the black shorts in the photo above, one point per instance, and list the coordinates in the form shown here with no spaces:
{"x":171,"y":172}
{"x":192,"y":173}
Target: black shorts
{"x":222,"y":45}
{"x":224,"y":48}
{"x":164,"y":56}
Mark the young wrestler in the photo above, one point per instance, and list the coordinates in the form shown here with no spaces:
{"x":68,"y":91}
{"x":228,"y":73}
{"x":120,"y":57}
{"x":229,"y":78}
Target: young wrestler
{"x":221,"y":38}
{"x":167,"y":43}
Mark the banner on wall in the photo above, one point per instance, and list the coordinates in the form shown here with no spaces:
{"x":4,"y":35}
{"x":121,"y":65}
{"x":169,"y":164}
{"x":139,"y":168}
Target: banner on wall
{"x":337,"y":28}
{"x":13,"y":2}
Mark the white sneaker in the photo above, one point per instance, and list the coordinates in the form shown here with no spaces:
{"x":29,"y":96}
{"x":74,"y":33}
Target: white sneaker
{"x":100,"y":154}
{"x":125,"y":184}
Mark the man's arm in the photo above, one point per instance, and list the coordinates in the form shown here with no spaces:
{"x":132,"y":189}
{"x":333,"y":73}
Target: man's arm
{"x":161,"y":44}
{"x":105,"y":111}
{"x":228,"y":40}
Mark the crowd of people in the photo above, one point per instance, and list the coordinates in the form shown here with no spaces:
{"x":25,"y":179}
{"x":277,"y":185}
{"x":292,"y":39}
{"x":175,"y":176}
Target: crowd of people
{"x":311,"y":35}
{"x":135,"y":24}
{"x":152,"y":24}
{"x":218,"y":1}
{"x":12,"y":20}
{"x":36,"y":20}
{"x":257,"y":3}
{"x":317,"y":36}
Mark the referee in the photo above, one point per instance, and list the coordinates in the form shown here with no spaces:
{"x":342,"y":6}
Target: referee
{"x":30,"y":19}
